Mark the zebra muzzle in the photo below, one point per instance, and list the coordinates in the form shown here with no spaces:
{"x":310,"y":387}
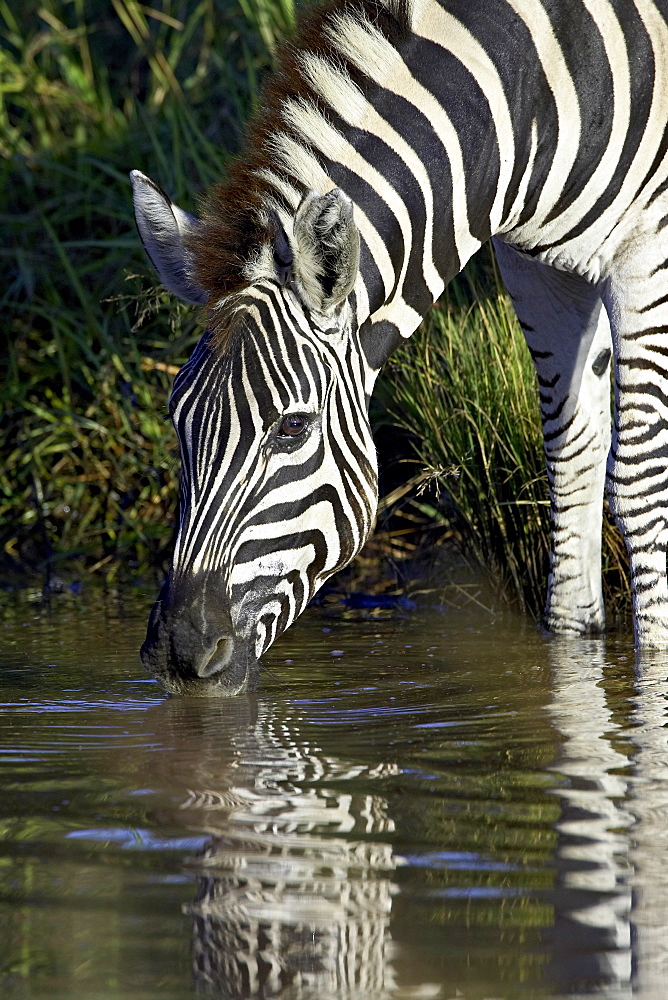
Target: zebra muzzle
{"x":192,"y":649}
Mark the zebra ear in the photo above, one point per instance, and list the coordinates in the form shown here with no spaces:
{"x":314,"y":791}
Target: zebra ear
{"x":163,"y":227}
{"x":327,"y":249}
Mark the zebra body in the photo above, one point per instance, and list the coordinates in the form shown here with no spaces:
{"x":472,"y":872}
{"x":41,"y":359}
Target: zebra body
{"x":393,"y":142}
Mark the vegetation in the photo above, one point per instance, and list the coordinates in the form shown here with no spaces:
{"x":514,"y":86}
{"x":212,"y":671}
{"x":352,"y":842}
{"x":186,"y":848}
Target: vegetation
{"x":88,"y":466}
{"x":464,"y":388}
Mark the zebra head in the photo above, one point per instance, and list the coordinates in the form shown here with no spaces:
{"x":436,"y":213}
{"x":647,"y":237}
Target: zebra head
{"x":279,"y":478}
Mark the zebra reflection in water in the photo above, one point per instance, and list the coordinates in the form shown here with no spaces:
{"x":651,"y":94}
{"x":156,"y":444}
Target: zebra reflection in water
{"x":295,"y":887}
{"x":591,"y":938}
{"x":649,"y":804}
{"x":611,"y":890}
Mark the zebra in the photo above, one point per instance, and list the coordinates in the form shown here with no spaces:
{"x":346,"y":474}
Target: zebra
{"x":296,"y":878}
{"x":394,"y":139}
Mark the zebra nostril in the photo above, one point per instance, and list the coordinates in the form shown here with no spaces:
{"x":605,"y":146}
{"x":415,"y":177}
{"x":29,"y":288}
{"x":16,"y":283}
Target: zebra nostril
{"x":215,"y":659}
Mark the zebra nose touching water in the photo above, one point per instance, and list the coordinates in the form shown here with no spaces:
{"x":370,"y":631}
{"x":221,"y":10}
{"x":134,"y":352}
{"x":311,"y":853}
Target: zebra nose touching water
{"x":393,"y":140}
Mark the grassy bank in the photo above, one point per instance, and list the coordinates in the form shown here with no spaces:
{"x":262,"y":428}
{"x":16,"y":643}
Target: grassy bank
{"x":88,"y":464}
{"x":464,"y":389}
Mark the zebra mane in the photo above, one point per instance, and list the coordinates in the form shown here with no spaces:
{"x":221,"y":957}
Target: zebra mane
{"x":240,"y":215}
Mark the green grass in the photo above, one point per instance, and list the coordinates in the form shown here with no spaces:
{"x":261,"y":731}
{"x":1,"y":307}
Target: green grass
{"x":88,"y":91}
{"x":464,"y":388}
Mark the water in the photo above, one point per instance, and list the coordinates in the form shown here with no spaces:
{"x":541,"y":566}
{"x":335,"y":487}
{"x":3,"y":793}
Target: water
{"x":431,"y":804}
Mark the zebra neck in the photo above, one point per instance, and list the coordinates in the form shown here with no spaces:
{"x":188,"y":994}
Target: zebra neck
{"x":421,"y":137}
{"x":438,"y":121}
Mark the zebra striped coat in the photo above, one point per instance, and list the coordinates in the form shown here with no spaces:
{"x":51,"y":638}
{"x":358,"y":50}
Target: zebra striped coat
{"x":394,"y":140}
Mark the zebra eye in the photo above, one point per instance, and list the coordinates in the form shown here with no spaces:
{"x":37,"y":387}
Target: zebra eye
{"x":293,"y":425}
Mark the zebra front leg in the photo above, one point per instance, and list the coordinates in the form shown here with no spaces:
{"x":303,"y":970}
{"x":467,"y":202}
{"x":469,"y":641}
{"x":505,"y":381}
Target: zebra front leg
{"x":568,"y":334}
{"x":637,"y":482}
{"x":576,"y":435}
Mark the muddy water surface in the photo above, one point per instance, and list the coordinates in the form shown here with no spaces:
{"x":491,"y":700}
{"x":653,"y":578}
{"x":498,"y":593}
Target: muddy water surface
{"x":434,"y":804}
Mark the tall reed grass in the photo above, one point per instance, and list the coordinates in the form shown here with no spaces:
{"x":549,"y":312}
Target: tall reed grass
{"x":88,"y":467}
{"x":464,"y":388}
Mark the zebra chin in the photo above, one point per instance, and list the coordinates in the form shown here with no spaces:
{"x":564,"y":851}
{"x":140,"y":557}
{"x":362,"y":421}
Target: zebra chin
{"x":192,"y":648}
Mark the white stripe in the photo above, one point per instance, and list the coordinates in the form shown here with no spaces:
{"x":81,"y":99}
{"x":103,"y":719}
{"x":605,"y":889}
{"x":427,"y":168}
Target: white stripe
{"x":274,"y":564}
{"x":523,"y":186}
{"x":291,"y":194}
